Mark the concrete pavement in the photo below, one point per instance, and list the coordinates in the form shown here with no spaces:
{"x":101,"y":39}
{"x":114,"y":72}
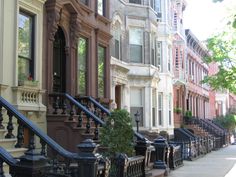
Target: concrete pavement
{"x":221,"y":163}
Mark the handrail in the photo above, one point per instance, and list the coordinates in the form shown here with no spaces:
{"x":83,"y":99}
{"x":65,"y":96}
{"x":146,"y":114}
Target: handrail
{"x":184,"y":133}
{"x":79,"y":105}
{"x":7,"y":157}
{"x":100,"y":106}
{"x":30,"y":125}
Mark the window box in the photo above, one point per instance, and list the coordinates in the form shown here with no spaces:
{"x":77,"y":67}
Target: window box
{"x":30,"y":83}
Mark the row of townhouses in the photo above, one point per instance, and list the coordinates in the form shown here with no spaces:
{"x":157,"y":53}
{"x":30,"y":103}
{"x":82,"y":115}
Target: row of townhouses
{"x":133,"y":53}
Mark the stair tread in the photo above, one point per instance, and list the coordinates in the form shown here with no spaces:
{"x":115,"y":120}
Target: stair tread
{"x":7,"y":140}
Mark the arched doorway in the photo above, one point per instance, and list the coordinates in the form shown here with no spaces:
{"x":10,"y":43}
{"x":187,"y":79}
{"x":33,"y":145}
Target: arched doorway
{"x":59,"y":62}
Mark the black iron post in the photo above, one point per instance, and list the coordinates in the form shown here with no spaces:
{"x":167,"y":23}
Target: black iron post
{"x":137,"y":119}
{"x":161,"y":147}
{"x":88,"y":158}
{"x":32,"y":164}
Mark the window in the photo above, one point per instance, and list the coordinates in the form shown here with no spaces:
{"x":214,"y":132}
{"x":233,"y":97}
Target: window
{"x":101,"y":70}
{"x":154,"y":105}
{"x":160,"y":108}
{"x":136,"y":45}
{"x":82,"y":65}
{"x":25,"y":46}
{"x":136,"y":104}
{"x":159,"y":54}
{"x":153,"y":58}
{"x":135,"y":1}
{"x":116,"y":46}
{"x":101,"y":7}
{"x":84,"y":2}
{"x":176,"y":58}
{"x":169,"y":59}
{"x":169,"y":109}
{"x":156,"y":5}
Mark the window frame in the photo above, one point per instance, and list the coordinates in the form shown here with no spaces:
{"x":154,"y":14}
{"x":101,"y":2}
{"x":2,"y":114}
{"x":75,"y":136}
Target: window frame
{"x":160,"y":109}
{"x":104,"y":70}
{"x":31,"y":58}
{"x":133,"y":44}
{"x":135,"y":1}
{"x":86,"y":65}
{"x":103,"y":8}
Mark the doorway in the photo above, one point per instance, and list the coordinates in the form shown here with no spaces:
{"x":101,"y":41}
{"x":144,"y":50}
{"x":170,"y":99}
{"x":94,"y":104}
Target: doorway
{"x":118,"y":96}
{"x":59,"y":62}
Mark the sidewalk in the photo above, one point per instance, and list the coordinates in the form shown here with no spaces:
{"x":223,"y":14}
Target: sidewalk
{"x":221,"y":163}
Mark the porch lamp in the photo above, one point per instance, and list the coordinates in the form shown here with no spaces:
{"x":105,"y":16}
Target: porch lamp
{"x":137,"y":119}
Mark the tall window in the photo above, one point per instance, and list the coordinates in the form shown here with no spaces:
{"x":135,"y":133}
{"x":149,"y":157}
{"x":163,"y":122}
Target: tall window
{"x":153,"y":58}
{"x":169,"y":109}
{"x":160,"y":108}
{"x":154,"y":105}
{"x":136,"y":104}
{"x":25,"y":46}
{"x":169,"y":59}
{"x":136,"y":45}
{"x":82,"y":65}
{"x":176,"y":58}
{"x":135,"y":1}
{"x":156,"y":5}
{"x":117,"y":41}
{"x":159,"y":54}
{"x":101,"y":70}
{"x":101,"y":7}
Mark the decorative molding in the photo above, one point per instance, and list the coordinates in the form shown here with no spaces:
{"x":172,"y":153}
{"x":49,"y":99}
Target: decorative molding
{"x":53,"y":19}
{"x":74,"y":29}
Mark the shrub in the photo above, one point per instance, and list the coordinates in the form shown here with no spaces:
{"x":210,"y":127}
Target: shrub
{"x":177,"y":110}
{"x":228,"y":121}
{"x":117,"y":134}
{"x":188,"y":114}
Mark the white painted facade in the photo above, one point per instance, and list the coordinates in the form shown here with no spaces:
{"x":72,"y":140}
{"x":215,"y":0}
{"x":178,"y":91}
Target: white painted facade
{"x":27,"y":99}
{"x":140,"y":83}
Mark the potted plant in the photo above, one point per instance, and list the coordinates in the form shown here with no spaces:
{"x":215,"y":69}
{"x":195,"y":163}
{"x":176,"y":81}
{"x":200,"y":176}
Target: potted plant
{"x":24,"y":80}
{"x":177,"y":110}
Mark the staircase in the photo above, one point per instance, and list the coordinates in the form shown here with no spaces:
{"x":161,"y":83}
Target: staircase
{"x":9,"y":145}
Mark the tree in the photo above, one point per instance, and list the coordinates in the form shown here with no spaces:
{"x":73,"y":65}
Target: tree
{"x":222,"y":48}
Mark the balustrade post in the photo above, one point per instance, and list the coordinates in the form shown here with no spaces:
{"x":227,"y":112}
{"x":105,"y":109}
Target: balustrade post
{"x":121,"y":163}
{"x":20,"y":135}
{"x":88,"y":159}
{"x":31,"y":164}
{"x":161,"y":147}
{"x":144,"y":148}
{"x":55,"y":104}
{"x":10,"y":127}
{"x":1,"y":118}
{"x":71,"y":111}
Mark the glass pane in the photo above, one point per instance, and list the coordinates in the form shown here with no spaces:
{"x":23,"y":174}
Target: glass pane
{"x":100,"y":7}
{"x":84,"y":2}
{"x":136,"y":53}
{"x":136,"y":97}
{"x":101,"y":70}
{"x":23,"y":68}
{"x":24,"y":35}
{"x":135,"y":1}
{"x":117,"y":49}
{"x":157,"y":7}
{"x":153,"y":117}
{"x":81,"y":68}
{"x":136,"y":36}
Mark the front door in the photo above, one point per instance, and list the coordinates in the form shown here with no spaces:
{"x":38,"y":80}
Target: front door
{"x":118,"y":96}
{"x":59,"y":62}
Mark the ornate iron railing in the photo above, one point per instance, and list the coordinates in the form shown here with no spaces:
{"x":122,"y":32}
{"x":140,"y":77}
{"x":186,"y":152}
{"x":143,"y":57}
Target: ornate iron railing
{"x":60,"y":159}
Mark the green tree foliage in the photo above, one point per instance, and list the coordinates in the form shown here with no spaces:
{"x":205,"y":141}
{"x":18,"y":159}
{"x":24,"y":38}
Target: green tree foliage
{"x":222,"y":49}
{"x":228,"y":121}
{"x":117,"y":134}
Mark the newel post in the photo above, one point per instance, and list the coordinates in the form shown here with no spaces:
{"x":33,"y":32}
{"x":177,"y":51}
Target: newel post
{"x":88,"y":158}
{"x":32,"y":164}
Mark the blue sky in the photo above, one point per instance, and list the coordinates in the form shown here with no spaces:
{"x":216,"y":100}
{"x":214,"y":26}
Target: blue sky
{"x":204,"y":17}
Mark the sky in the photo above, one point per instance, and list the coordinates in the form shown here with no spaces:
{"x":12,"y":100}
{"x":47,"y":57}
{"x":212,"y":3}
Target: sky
{"x":204,"y":18}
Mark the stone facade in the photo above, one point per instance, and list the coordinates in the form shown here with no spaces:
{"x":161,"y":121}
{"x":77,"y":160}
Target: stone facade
{"x":25,"y":97}
{"x":142,"y":84}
